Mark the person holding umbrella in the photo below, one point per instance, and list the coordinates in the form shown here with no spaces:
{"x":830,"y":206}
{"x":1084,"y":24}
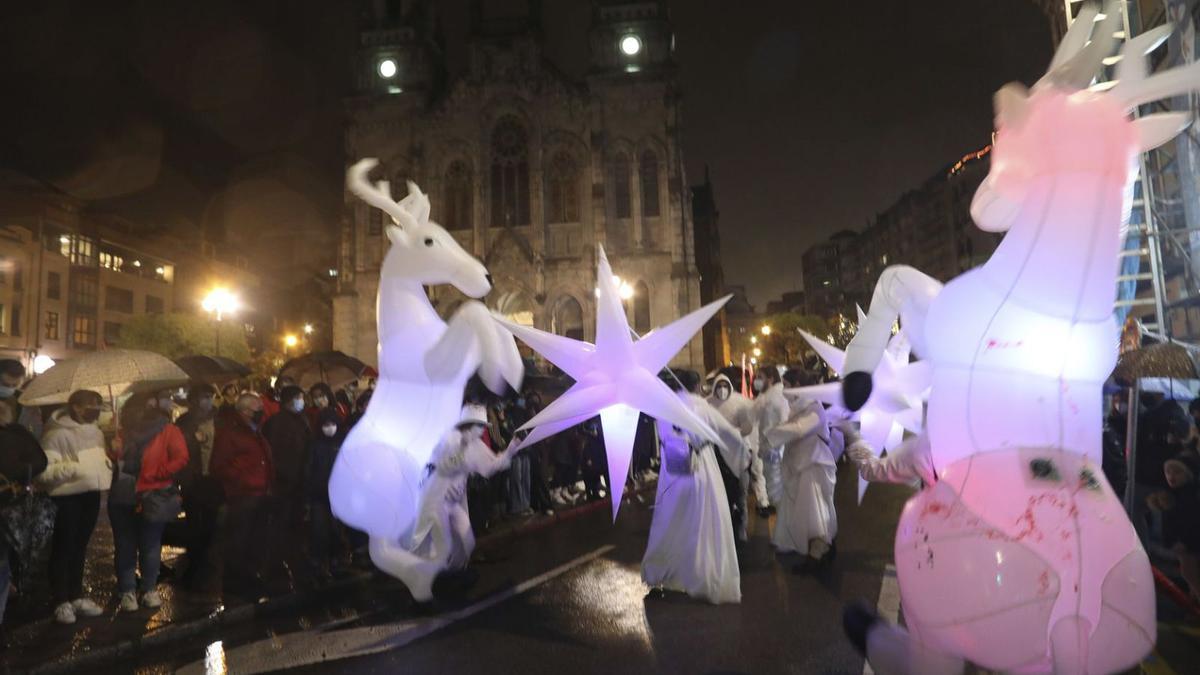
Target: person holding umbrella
{"x":21,"y":459}
{"x":78,"y":471}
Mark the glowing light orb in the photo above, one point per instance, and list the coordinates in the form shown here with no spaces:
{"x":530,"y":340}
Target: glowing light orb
{"x":631,"y":45}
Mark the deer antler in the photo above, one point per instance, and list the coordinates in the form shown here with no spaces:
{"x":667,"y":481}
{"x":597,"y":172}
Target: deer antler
{"x":378,"y":195}
{"x":1076,"y":37}
{"x":1135,"y":88}
{"x":1078,"y":71}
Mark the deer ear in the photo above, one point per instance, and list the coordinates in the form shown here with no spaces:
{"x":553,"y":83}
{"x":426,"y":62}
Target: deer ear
{"x":1154,"y":130}
{"x":396,"y":235}
{"x":1011,"y":103}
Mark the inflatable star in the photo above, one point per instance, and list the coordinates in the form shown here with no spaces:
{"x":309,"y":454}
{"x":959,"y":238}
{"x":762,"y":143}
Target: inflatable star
{"x":616,"y":378}
{"x":897,"y":399}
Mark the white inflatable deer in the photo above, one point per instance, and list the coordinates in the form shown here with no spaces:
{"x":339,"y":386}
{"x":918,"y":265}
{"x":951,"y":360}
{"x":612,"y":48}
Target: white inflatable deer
{"x":1020,"y":557}
{"x":424,"y":364}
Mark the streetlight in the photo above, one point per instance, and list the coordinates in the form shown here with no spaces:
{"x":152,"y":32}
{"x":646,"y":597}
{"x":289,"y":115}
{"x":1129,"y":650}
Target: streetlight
{"x":308,"y":329}
{"x":289,"y":341}
{"x":757,"y":351}
{"x":42,"y":363}
{"x":753,"y":339}
{"x":766,"y":330}
{"x":219,"y":302}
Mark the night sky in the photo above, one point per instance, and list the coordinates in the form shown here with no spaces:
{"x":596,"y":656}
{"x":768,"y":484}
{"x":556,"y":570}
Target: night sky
{"x":227,"y":114}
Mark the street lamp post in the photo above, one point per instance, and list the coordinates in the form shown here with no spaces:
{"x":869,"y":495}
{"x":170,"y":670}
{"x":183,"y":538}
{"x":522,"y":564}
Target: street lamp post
{"x":289,"y":341}
{"x":219,"y":302}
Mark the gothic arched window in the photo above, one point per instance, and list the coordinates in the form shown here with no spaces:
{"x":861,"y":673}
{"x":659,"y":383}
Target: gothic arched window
{"x":562,"y":190}
{"x":641,"y":308}
{"x":649,"y":175}
{"x":510,"y":174}
{"x":567,"y":318}
{"x":620,"y":184}
{"x":457,"y":192}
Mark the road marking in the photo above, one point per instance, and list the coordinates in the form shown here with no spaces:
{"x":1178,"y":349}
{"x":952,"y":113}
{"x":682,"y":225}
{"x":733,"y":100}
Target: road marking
{"x":321,"y":645}
{"x":888,"y":604}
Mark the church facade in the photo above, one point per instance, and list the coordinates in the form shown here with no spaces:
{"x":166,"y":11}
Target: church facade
{"x":529,"y":169}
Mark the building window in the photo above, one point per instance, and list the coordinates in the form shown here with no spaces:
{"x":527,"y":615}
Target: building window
{"x":562,"y":188}
{"x":16,"y":321}
{"x":649,"y":175}
{"x":84,"y":291}
{"x":51,"y":325}
{"x":374,"y":221}
{"x":112,"y":333}
{"x":53,"y":285}
{"x":111,"y":261}
{"x":457,"y":192}
{"x":78,"y":249}
{"x":510,"y":174}
{"x":620,"y":181}
{"x":641,"y":308}
{"x":84,"y":331}
{"x":567,"y":318}
{"x":154,"y":305}
{"x":118,"y":299}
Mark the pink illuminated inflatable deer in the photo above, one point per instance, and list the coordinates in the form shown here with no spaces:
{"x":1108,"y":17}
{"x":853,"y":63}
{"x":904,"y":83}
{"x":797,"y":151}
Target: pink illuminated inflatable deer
{"x":1020,"y":557}
{"x":424,"y":364}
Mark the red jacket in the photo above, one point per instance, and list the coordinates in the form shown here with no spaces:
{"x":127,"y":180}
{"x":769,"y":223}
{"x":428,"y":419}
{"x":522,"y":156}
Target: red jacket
{"x":241,"y":460}
{"x":165,"y":456}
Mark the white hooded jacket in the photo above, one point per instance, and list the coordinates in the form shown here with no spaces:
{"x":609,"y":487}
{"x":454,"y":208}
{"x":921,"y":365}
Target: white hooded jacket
{"x":737,"y":410}
{"x":76,"y":460}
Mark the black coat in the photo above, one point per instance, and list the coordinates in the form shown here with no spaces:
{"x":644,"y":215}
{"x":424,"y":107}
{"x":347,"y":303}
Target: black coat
{"x":21,"y":457}
{"x":288,"y":434}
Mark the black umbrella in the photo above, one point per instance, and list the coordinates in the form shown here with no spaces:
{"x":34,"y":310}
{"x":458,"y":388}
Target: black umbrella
{"x":214,"y":370}
{"x":333,"y":368}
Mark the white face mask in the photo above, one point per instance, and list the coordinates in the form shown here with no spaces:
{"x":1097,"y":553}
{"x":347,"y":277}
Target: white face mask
{"x":722,"y":393}
{"x":329,"y":430}
{"x":297,"y":405}
{"x":320,"y":401}
{"x":759,"y":384}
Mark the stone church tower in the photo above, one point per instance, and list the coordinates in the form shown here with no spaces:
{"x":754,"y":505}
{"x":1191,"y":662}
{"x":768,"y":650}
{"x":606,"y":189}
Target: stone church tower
{"x":529,"y":169}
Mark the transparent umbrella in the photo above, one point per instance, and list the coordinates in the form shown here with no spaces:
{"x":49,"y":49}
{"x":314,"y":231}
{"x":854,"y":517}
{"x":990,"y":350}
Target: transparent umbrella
{"x":113,"y":372}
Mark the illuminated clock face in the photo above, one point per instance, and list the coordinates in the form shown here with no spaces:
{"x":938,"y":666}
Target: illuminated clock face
{"x":631,"y":45}
{"x":387,"y":68}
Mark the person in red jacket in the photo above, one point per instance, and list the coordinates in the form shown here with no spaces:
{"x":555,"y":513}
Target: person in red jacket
{"x":146,"y":460}
{"x":242,"y":462}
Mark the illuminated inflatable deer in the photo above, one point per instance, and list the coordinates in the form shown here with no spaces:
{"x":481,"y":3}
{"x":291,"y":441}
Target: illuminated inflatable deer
{"x":1020,"y":556}
{"x":424,"y":364}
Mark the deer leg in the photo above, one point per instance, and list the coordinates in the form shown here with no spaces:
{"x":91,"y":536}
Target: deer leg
{"x":902,"y":292}
{"x":474,"y":341}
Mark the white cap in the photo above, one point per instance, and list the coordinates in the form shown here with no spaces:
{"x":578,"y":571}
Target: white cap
{"x":473,"y":413}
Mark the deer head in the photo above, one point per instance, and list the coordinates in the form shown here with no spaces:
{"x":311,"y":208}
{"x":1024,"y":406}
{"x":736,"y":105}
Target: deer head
{"x":1065,"y":125}
{"x":421,"y":250}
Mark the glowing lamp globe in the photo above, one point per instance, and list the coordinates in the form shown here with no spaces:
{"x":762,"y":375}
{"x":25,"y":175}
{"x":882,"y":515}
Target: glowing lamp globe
{"x":631,"y":45}
{"x":387,"y":69}
{"x":42,"y":363}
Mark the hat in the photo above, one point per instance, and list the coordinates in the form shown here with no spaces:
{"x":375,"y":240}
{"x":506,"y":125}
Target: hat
{"x":1186,"y":461}
{"x":473,"y":413}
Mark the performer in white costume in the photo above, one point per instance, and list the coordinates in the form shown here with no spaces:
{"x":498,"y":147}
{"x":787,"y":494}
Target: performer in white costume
{"x":691,"y":546}
{"x":806,"y":522}
{"x":739,"y":412}
{"x":442,"y":540}
{"x":770,"y":410}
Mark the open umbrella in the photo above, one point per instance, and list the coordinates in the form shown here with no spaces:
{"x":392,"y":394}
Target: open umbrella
{"x":215,"y":370}
{"x":114,"y":372}
{"x":333,"y":368}
{"x":1165,"y":359}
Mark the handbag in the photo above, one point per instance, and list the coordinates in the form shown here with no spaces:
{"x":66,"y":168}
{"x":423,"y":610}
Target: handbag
{"x":162,"y":505}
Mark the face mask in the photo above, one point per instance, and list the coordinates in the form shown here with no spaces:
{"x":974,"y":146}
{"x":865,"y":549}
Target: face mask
{"x":521,"y":402}
{"x":759,"y":384}
{"x":722,"y":393}
{"x":7,"y":392}
{"x":90,"y":415}
{"x":297,"y":405}
{"x":320,"y":401}
{"x":329,"y":430}
{"x":206,"y":404}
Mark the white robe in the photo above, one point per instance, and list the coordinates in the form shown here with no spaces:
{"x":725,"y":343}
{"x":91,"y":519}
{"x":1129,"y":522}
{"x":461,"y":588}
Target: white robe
{"x":809,"y":474}
{"x":770,"y":410}
{"x":739,"y":412}
{"x":691,"y":546}
{"x":442,"y":538}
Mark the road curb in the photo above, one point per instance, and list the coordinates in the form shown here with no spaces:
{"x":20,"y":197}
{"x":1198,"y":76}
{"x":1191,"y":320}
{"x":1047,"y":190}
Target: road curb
{"x":225,"y":617}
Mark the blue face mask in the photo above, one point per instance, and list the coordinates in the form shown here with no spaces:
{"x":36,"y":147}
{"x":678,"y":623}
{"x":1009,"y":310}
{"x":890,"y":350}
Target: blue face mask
{"x":521,"y":402}
{"x":7,"y":392}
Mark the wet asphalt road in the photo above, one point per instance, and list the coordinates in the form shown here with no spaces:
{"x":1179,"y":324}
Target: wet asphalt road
{"x":569,"y":600}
